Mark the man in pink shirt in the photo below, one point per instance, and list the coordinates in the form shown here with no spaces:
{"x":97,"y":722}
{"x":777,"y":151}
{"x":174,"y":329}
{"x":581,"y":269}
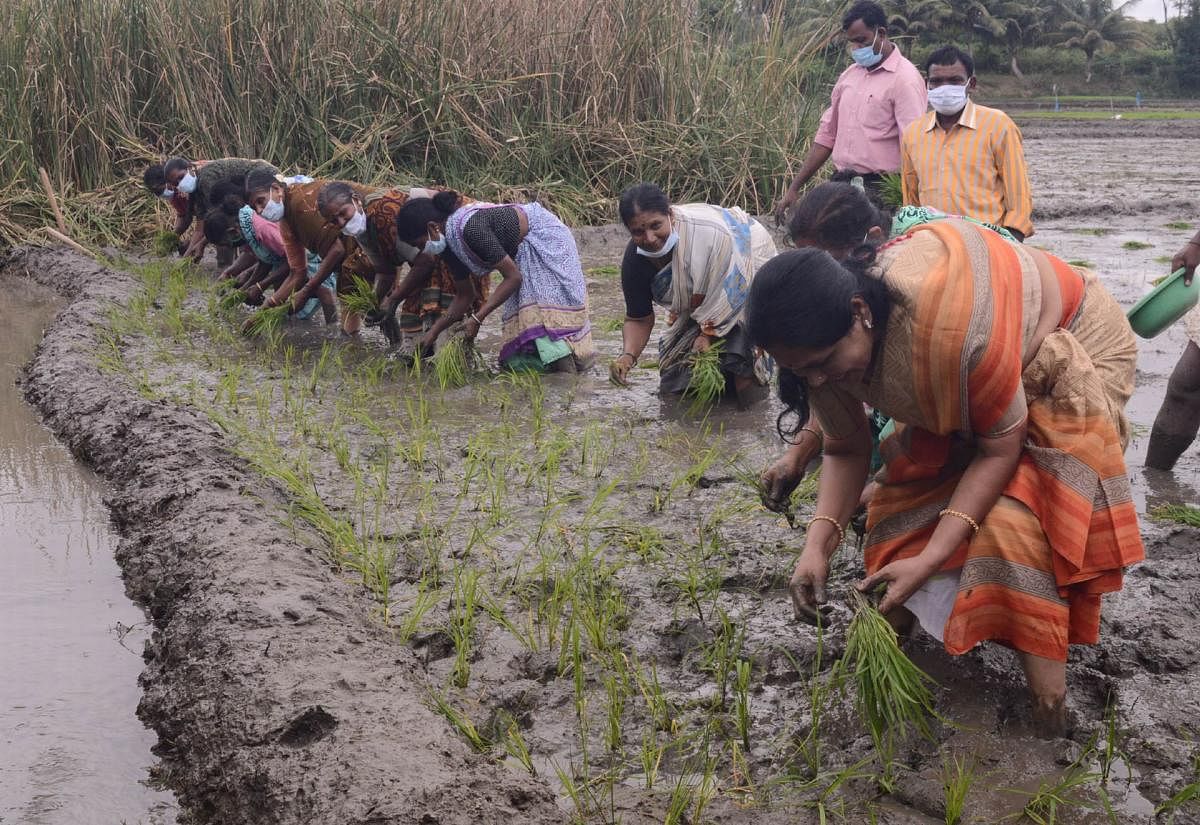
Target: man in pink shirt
{"x":873,"y":102}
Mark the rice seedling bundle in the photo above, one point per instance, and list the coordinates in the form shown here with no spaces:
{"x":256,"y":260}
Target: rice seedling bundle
{"x":891,"y":190}
{"x":266,"y":321}
{"x":893,"y":693}
{"x":1179,"y":513}
{"x":165,"y":243}
{"x":454,"y":361}
{"x":707,"y":381}
{"x":233,"y":299}
{"x":361,"y":299}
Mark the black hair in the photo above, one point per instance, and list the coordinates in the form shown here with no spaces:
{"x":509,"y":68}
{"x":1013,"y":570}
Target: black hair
{"x":217,"y":223}
{"x":642,"y":197}
{"x":176,"y":165}
{"x":334,"y":194}
{"x":801,"y":298}
{"x":870,"y":13}
{"x":414,"y":217}
{"x":228,"y":195}
{"x":836,"y":215}
{"x":258,"y":180}
{"x":948,"y":56}
{"x":155,"y":178}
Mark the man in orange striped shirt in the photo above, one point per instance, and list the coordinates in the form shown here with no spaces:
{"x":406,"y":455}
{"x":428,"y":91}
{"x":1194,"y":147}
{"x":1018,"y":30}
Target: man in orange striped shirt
{"x":963,"y":158}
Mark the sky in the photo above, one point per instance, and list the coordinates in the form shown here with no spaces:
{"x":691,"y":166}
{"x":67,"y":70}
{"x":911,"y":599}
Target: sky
{"x":1149,"y":10}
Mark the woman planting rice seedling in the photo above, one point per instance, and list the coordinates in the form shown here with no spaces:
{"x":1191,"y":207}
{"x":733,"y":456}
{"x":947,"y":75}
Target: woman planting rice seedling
{"x":542,"y":291}
{"x":427,"y":290}
{"x":699,"y":260}
{"x":968,"y":342}
{"x":303,"y":230}
{"x":200,"y":182}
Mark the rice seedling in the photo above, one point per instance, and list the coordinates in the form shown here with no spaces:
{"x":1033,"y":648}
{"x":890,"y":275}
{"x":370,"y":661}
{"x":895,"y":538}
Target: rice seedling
{"x":361,"y":297}
{"x":460,"y":722}
{"x":741,"y":700}
{"x":892,"y":694}
{"x":165,"y":243}
{"x":463,"y":618}
{"x":515,"y":746}
{"x":1136,"y":245}
{"x":1188,"y":795}
{"x":426,"y":599}
{"x":1184,"y":514}
{"x":1178,"y":225}
{"x":1081,"y":263}
{"x":1047,"y":804}
{"x":958,"y":775}
{"x":707,"y":381}
{"x":1111,"y":751}
{"x":454,"y":361}
{"x":651,"y":755}
{"x":232,"y":299}
{"x":891,"y":190}
{"x":266,"y":321}
{"x":611,"y":325}
{"x":603,"y":271}
{"x":615,"y":692}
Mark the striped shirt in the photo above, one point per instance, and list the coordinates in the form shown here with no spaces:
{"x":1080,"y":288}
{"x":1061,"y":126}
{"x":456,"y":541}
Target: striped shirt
{"x":976,"y":169}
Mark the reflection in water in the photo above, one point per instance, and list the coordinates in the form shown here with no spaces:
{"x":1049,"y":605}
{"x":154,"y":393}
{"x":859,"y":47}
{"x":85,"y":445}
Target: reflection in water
{"x":71,"y":748}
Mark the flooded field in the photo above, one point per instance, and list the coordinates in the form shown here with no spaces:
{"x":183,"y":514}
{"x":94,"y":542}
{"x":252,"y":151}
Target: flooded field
{"x":71,"y":748}
{"x":552,"y":598}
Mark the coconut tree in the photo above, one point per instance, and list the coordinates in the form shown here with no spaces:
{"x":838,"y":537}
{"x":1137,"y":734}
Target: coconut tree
{"x":1012,"y":25}
{"x":915,"y":17}
{"x":1094,"y":26}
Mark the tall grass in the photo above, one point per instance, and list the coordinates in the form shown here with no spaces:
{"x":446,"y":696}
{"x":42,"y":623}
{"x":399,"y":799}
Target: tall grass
{"x":571,"y":100}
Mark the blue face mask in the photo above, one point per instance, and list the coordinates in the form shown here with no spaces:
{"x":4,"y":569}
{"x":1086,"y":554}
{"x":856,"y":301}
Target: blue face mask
{"x":667,"y":246}
{"x":435,"y":247}
{"x":866,"y":56}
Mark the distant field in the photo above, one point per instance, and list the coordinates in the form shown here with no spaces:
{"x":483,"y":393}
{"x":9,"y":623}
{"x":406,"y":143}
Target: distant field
{"x":1106,"y":114}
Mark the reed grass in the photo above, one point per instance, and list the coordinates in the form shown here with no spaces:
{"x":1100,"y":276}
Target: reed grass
{"x":503,"y":101}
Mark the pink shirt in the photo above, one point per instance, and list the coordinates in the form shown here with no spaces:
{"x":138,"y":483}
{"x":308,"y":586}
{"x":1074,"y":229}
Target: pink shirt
{"x":268,"y":234}
{"x":869,"y":112}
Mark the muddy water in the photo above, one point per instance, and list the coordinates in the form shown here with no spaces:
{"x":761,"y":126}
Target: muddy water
{"x":71,"y":748}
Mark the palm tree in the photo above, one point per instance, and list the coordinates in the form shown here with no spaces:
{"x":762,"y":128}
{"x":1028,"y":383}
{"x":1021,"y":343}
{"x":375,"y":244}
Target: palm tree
{"x":1094,"y":26}
{"x":1012,"y":24}
{"x":914,"y":17}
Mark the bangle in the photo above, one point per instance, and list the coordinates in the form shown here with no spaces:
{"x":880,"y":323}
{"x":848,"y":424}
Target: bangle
{"x":475,"y":318}
{"x":972,"y":522}
{"x":841,"y":530}
{"x":1192,"y":242}
{"x":632,"y":357}
{"x":816,"y":434}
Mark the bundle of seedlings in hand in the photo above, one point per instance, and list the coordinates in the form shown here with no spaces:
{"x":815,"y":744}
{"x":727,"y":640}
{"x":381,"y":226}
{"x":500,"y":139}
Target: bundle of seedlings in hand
{"x":361,"y":299}
{"x":891,"y":190}
{"x":454,"y":361}
{"x":893,"y":693}
{"x":707,"y":381}
{"x":165,"y":243}
{"x":233,"y":299}
{"x":267,"y":321}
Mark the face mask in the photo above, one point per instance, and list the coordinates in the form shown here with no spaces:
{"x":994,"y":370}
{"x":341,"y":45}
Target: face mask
{"x":866,"y":56}
{"x":356,"y":225}
{"x":273,"y":211}
{"x":948,"y":100}
{"x":167,"y":194}
{"x":435,"y":247}
{"x":672,"y":239}
{"x":187,"y":184}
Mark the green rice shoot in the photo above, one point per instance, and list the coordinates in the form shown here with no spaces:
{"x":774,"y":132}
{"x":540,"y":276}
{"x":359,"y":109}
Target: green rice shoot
{"x":165,"y":243}
{"x":708,"y":381}
{"x":891,"y":190}
{"x":267,"y":321}
{"x":233,"y":299}
{"x":454,"y":362}
{"x":361,"y":299}
{"x":893,"y":694}
{"x":1184,"y":514}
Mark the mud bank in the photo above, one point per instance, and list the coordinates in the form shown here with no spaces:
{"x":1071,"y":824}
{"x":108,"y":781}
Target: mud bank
{"x":274,"y":696}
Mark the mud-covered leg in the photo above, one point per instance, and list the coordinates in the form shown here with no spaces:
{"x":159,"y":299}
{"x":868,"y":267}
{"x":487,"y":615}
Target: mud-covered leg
{"x":1047,"y":680}
{"x":1179,"y":417}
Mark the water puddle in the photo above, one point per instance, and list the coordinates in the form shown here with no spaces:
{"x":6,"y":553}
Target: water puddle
{"x":71,"y":747}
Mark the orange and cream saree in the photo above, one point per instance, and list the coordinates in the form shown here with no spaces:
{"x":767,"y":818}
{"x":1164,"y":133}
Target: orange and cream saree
{"x":955,"y":364}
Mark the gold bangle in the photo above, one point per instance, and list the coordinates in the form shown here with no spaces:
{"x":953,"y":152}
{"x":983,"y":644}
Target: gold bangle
{"x":816,"y":434}
{"x":831,"y":520}
{"x":974,"y":524}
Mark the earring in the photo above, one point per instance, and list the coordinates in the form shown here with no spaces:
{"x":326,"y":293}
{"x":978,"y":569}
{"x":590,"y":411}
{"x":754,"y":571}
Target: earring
{"x":867,"y":323}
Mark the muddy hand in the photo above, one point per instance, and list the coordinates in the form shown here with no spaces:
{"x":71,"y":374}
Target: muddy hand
{"x":781,"y":208}
{"x":618,"y":370}
{"x":1187,"y":259}
{"x":777,"y":483}
{"x":807,"y":588}
{"x":903,"y":578}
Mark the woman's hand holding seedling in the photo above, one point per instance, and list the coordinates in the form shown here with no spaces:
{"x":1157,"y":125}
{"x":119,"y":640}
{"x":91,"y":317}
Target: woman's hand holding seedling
{"x":903,"y":578}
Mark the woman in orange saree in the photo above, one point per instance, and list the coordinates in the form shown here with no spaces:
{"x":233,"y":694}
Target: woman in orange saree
{"x":1003,"y":511}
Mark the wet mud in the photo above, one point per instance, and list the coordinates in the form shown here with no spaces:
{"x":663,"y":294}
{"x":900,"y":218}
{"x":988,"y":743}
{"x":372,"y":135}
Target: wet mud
{"x":575,"y":570}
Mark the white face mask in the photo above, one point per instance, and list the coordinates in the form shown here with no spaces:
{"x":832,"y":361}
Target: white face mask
{"x":672,"y":239}
{"x":273,"y":211}
{"x":356,"y":225}
{"x":187,"y":184}
{"x":948,"y":100}
{"x":167,"y":194}
{"x":435,"y":247}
